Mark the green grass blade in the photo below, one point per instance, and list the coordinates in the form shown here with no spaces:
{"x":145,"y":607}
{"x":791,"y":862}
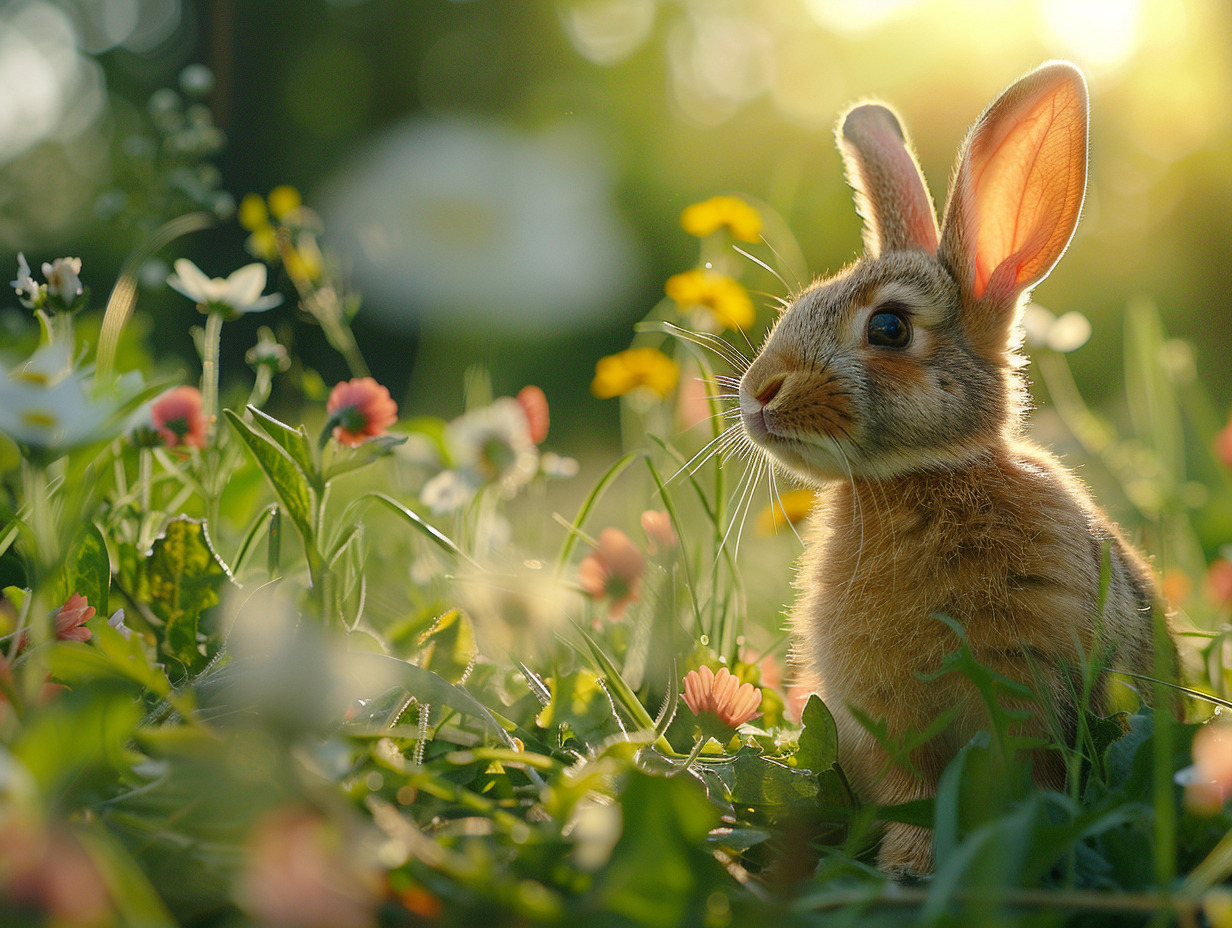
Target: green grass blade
{"x":588,"y":504}
{"x":679,"y":527}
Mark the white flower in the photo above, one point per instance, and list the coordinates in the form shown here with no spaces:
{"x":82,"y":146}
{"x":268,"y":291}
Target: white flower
{"x":1044,"y":330}
{"x":44,"y":403}
{"x":237,"y":294}
{"x":29,"y":291}
{"x":493,"y":444}
{"x":62,"y":279}
{"x":558,"y":466}
{"x":447,"y":492}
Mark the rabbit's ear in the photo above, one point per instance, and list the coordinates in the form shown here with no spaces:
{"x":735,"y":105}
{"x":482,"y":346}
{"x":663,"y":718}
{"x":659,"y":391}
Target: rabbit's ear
{"x":891,"y":194}
{"x":1018,"y":188}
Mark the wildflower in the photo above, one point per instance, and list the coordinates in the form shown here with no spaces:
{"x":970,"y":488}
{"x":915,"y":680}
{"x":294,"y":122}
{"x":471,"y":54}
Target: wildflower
{"x":613,"y":571}
{"x":360,"y":409}
{"x":253,"y":216}
{"x":726,"y":300}
{"x":518,"y":611}
{"x":45,"y":403}
{"x":283,"y":201}
{"x":693,"y":403}
{"x":535,"y":404}
{"x":300,"y":873}
{"x":493,"y":444}
{"x":719,"y":700}
{"x":622,"y":373}
{"x":29,"y":292}
{"x":178,"y":418}
{"x":267,"y":353}
{"x":1219,"y":582}
{"x":1208,"y":781}
{"x":788,"y":509}
{"x":62,"y":280}
{"x":447,"y":492}
{"x":707,"y":217}
{"x":1223,"y":444}
{"x":558,"y":466}
{"x":234,"y":295}
{"x":71,"y":618}
{"x":657,"y":524}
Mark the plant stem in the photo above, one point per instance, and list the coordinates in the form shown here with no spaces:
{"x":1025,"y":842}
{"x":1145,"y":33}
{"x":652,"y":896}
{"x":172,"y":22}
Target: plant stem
{"x":209,"y":371}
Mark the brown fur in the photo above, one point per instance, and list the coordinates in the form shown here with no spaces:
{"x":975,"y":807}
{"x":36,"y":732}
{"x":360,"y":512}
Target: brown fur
{"x":931,"y":503}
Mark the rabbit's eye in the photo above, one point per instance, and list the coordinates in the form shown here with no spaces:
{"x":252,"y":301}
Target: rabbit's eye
{"x":889,"y":330}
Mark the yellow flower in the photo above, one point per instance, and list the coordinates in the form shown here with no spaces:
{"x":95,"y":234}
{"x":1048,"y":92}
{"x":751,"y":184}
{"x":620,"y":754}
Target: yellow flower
{"x":252,"y":213}
{"x":727,"y":301}
{"x":790,"y":508}
{"x":618,"y":374}
{"x":304,"y":258}
{"x":283,"y":200}
{"x":707,"y":217}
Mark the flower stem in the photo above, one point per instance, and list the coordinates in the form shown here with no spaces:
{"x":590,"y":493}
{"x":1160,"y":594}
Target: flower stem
{"x":209,"y":372}
{"x":693,"y":755}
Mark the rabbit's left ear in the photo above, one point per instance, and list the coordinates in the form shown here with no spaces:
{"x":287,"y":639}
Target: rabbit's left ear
{"x":1018,"y":188}
{"x":891,"y":194}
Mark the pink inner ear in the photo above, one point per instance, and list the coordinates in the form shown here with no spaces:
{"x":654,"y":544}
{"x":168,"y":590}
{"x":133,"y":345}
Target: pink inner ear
{"x":1026,"y":190}
{"x":918,"y":219}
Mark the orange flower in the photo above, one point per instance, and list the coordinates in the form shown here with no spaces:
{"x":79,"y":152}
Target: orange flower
{"x":1219,"y":582}
{"x":71,"y":618}
{"x":614,"y":570}
{"x":178,"y":419}
{"x":720,"y":697}
{"x":1209,"y":781}
{"x":657,"y":525}
{"x":1223,"y":444}
{"x":535,"y":405}
{"x":360,"y":409}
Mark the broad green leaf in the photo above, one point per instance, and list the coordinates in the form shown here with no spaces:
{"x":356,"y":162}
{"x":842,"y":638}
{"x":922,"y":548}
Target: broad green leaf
{"x":183,"y":577}
{"x":578,"y":701}
{"x":372,"y":450}
{"x":88,"y":569}
{"x":293,"y":441}
{"x":255,"y":528}
{"x":818,"y":748}
{"x":285,"y":476}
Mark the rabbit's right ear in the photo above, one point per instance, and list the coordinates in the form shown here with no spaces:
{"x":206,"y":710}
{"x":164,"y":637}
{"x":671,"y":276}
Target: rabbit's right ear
{"x":891,"y":194}
{"x":1016,"y":194}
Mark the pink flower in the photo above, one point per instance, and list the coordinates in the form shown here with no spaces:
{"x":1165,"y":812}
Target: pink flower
{"x":71,"y":619}
{"x":300,"y":874}
{"x":720,"y":696}
{"x":535,"y":404}
{"x":178,"y":418}
{"x":657,"y":525}
{"x":1209,"y":781}
{"x":360,"y":409}
{"x":614,"y":570}
{"x":1223,"y":444}
{"x":1219,"y":582}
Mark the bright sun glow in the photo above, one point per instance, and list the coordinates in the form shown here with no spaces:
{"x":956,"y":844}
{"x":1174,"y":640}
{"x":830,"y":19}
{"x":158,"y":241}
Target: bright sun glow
{"x":1099,"y":33}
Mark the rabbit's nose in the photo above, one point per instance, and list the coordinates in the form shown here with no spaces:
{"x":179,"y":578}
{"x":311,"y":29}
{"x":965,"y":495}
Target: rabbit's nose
{"x":770,"y":390}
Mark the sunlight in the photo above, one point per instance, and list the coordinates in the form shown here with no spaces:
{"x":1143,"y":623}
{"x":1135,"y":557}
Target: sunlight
{"x":1099,"y":33}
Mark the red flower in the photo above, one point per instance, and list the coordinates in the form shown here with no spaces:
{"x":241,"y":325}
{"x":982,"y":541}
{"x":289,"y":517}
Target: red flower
{"x":535,"y":405}
{"x":360,"y":409}
{"x":71,"y":619}
{"x":614,"y":570}
{"x":177,"y":417}
{"x":720,"y":696}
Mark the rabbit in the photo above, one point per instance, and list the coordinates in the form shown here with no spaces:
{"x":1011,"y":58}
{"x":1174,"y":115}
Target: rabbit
{"x":897,"y":389}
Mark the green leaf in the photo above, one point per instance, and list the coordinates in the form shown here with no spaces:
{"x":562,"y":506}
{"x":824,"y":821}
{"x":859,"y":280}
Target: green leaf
{"x":416,"y":521}
{"x":372,"y":450}
{"x":293,"y":441}
{"x":818,"y":748}
{"x":285,"y":476}
{"x":448,"y":648}
{"x":183,"y":577}
{"x":88,"y":569}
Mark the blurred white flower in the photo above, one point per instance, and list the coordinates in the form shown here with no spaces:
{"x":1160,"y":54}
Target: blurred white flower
{"x":62,"y":279}
{"x":447,"y":492}
{"x":28,"y":289}
{"x":45,"y":403}
{"x":558,"y":466}
{"x":520,"y":611}
{"x":493,"y":445}
{"x":236,"y":294}
{"x":1043,"y":329}
{"x":475,"y":224}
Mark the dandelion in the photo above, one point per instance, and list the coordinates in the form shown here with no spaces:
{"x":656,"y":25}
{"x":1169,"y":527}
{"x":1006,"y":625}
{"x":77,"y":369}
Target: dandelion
{"x":719,"y":700}
{"x":1223,"y":444}
{"x":234,"y":295}
{"x":179,"y":419}
{"x":707,"y":217}
{"x":535,"y":404}
{"x":789,"y":508}
{"x":657,"y":524}
{"x":71,"y":618}
{"x":722,"y":296}
{"x":622,"y":373}
{"x":613,"y":571}
{"x":359,"y":409}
